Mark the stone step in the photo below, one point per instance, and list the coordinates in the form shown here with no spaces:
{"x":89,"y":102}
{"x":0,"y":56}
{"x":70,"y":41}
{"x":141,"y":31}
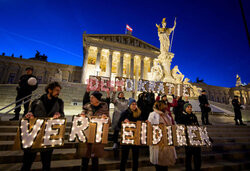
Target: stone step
{"x":74,"y":164}
{"x":208,"y":166}
{"x":69,"y":154}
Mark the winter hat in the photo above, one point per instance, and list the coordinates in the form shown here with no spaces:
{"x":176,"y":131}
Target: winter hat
{"x":186,"y":105}
{"x":163,"y":95}
{"x":97,"y":95}
{"x":130,"y":101}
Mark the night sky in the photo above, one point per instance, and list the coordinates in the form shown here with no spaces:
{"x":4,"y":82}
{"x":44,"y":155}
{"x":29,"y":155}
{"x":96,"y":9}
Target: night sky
{"x":209,"y":42}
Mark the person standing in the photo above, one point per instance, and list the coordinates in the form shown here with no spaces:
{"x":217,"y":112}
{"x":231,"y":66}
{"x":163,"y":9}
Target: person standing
{"x":48,"y":105}
{"x":169,"y":105}
{"x":178,"y":110}
{"x":205,"y":108}
{"x":27,"y":83}
{"x":188,"y":118}
{"x":237,"y":113}
{"x":92,"y":106}
{"x":161,"y":156}
{"x":132,"y":114}
{"x":121,"y":104}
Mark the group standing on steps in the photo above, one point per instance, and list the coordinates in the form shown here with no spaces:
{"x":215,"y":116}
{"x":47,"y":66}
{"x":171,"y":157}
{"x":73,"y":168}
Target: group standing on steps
{"x":147,"y":108}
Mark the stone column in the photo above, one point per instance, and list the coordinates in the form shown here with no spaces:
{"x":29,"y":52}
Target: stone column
{"x":18,"y":75}
{"x":98,"y":58}
{"x":109,"y":64}
{"x":132,"y":67}
{"x":241,"y":97}
{"x":85,"y":64}
{"x":248,"y":96}
{"x":151,"y":63}
{"x":142,"y":67}
{"x":121,"y":64}
{"x":6,"y":73}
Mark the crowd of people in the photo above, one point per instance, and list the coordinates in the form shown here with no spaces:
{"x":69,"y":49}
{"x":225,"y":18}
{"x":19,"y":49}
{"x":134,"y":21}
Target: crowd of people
{"x":148,"y":108}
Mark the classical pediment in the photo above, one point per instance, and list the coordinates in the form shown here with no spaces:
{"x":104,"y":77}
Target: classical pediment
{"x":122,"y":39}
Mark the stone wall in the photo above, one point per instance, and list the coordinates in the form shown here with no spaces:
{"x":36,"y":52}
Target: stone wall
{"x":12,"y":68}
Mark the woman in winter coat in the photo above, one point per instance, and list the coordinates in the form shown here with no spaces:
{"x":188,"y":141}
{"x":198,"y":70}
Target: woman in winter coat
{"x":121,"y":104}
{"x":94,"y":107}
{"x":161,"y":156}
{"x":132,"y":114}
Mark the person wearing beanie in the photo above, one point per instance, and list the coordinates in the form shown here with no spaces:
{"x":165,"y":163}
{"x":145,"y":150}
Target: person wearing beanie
{"x":132,"y":114}
{"x":120,"y":104}
{"x":93,"y":105}
{"x":188,"y":118}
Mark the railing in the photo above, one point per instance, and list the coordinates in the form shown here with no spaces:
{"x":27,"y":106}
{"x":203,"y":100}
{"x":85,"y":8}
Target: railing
{"x":34,"y":96}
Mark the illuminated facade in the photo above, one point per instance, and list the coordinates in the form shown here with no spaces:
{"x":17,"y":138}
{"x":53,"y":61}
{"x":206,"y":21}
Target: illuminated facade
{"x":113,"y":55}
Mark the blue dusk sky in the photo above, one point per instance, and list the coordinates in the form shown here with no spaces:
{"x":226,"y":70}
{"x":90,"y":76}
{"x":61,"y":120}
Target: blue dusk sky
{"x":210,"y":40}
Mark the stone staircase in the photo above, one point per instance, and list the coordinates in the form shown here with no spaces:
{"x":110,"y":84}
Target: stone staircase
{"x":230,"y":150}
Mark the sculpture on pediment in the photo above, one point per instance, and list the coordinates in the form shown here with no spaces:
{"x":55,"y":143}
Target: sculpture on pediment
{"x":156,"y":70}
{"x":177,"y":75}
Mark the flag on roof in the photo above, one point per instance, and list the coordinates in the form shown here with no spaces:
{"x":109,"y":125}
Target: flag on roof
{"x":129,"y":28}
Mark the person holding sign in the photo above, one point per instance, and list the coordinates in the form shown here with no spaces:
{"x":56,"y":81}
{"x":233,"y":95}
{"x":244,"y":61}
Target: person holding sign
{"x":95,"y":107}
{"x":169,"y":105}
{"x":132,"y":114}
{"x":48,"y":105}
{"x":161,"y":155}
{"x":188,"y":118}
{"x":120,"y":104}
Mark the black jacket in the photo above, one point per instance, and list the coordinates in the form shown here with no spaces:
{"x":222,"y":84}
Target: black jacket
{"x":43,"y":107}
{"x":128,"y":114}
{"x":236,"y":104}
{"x":188,"y":119}
{"x":203,"y":100}
{"x":23,"y":86}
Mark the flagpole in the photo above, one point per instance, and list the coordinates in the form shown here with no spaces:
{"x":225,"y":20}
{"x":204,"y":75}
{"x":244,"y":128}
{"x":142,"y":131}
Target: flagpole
{"x":172,"y":39}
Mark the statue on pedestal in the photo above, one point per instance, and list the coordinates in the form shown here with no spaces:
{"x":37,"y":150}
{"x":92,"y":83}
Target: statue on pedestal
{"x":164,"y":34}
{"x":238,"y":81}
{"x":165,"y":57}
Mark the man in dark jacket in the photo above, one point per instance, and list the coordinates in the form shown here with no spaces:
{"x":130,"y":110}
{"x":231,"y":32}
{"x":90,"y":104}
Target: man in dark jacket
{"x":188,"y":118}
{"x":237,"y":106}
{"x":48,"y":105}
{"x":24,"y":89}
{"x":93,"y":105}
{"x":205,"y":108}
{"x":132,"y":114}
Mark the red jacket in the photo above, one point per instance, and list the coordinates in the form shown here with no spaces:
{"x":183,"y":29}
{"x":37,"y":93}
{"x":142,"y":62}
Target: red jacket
{"x":173,"y":104}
